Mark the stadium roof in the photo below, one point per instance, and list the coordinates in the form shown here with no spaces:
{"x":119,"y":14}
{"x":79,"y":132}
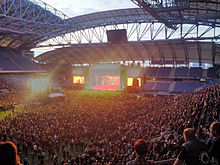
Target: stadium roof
{"x":23,"y":21}
{"x":158,"y":52}
{"x":178,"y":51}
{"x":173,"y":12}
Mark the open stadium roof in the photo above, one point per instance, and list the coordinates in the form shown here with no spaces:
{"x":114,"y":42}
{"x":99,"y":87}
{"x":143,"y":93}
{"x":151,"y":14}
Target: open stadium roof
{"x":173,"y":12}
{"x":22,"y":21}
{"x":160,"y":52}
{"x":25,"y":24}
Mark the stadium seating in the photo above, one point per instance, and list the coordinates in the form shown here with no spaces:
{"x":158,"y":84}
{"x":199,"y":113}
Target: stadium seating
{"x":6,"y":63}
{"x":186,"y":86}
{"x":195,"y":72}
{"x":164,"y":72}
{"x":178,"y":86}
{"x":148,"y":86}
{"x":12,"y":60}
{"x":210,"y":73}
{"x":152,"y":72}
{"x":162,"y":86}
{"x":181,"y":72}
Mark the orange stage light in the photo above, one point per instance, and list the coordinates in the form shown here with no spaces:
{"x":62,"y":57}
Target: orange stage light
{"x":78,"y":79}
{"x":130,"y":82}
{"x":139,"y":82}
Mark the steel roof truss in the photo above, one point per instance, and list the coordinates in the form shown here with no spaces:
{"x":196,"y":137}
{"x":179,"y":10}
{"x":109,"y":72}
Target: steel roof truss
{"x":132,"y":30}
{"x":162,"y":26}
{"x":206,"y":31}
{"x":100,"y":34}
{"x":88,"y":34}
{"x":188,"y":32}
{"x":146,"y":29}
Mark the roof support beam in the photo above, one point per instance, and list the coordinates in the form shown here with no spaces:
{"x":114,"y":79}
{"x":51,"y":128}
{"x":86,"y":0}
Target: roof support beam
{"x":162,"y":57}
{"x":147,"y":7}
{"x":148,"y":51}
{"x":185,"y":52}
{"x":173,"y":53}
{"x":213,"y":53}
{"x":199,"y":53}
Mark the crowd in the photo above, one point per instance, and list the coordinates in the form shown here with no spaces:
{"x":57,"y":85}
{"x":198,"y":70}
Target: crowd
{"x":101,"y":129}
{"x":7,"y":100}
{"x":10,"y":95}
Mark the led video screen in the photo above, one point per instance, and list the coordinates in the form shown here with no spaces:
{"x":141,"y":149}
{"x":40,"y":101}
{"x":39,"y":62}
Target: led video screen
{"x":104,"y":77}
{"x":106,"y":82}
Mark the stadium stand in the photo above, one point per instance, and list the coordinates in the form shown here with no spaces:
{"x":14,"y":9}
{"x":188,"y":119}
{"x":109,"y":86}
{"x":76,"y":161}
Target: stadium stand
{"x":148,"y":86}
{"x":177,"y":80}
{"x":186,"y":86}
{"x":195,"y":72}
{"x":181,"y":72}
{"x":6,"y":63}
{"x":12,"y":60}
{"x":162,"y":86}
{"x":210,"y":73}
{"x":152,"y":72}
{"x":174,"y":87}
{"x":164,"y":72}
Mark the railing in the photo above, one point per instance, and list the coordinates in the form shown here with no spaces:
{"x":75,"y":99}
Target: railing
{"x":165,"y":162}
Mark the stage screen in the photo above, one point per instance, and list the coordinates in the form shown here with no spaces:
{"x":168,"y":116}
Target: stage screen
{"x":104,"y":77}
{"x":106,"y":82}
{"x":78,"y":80}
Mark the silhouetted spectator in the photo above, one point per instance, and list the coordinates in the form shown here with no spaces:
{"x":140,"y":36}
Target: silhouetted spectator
{"x":191,"y":149}
{"x":141,"y":149}
{"x":214,"y":143}
{"x":8,"y":154}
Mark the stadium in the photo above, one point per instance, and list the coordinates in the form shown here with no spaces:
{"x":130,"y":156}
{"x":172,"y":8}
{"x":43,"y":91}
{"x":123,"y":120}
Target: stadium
{"x":107,"y":79}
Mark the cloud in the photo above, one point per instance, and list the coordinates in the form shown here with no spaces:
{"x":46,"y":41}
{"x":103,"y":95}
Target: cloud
{"x":81,"y":11}
{"x":80,"y":7}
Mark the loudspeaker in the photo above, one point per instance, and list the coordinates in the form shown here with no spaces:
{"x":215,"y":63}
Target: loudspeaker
{"x":117,"y":36}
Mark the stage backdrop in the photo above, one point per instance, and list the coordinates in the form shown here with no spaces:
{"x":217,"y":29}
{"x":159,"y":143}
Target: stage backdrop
{"x":105,"y":77}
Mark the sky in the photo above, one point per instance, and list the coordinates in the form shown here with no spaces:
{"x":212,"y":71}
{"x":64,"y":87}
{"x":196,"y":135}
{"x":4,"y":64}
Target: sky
{"x":79,"y":7}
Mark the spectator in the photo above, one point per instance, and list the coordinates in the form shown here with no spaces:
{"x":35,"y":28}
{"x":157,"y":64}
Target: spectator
{"x":191,"y":149}
{"x":214,"y":150}
{"x":8,"y":154}
{"x":99,"y":129}
{"x":141,"y":149}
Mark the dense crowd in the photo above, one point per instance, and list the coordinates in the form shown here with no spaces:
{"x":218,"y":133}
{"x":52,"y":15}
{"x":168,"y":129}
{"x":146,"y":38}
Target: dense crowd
{"x":11,"y":94}
{"x":8,"y":99}
{"x":101,"y":129}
